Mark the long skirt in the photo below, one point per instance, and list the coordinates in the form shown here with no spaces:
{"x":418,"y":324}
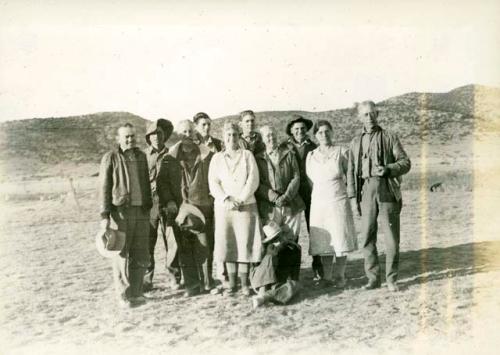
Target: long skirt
{"x":238,"y":234}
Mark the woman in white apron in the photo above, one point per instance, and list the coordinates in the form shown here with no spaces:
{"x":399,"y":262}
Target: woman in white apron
{"x":332,"y":233}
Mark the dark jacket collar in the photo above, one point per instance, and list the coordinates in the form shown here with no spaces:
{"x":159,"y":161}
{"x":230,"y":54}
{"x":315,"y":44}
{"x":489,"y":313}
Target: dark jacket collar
{"x":152,"y":150}
{"x":307,"y":141}
{"x":119,"y":150}
{"x":375,"y":129}
{"x":282,"y":149}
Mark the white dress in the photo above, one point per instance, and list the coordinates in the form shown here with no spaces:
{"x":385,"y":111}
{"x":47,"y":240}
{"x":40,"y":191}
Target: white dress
{"x":331,"y":225}
{"x":238,"y":233}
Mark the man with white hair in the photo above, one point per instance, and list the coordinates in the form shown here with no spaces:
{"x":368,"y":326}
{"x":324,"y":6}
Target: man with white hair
{"x":377,"y":161}
{"x":278,"y":196}
{"x":195,"y":248}
{"x":125,"y":202}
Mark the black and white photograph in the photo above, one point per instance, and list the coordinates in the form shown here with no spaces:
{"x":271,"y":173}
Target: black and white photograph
{"x":249,"y":177}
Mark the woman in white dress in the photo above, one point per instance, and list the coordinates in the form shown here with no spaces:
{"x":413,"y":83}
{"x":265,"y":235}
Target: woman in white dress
{"x":233,"y":178}
{"x":332,"y":233}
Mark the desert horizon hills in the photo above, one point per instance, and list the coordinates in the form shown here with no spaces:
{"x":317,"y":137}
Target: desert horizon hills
{"x":454,"y":117}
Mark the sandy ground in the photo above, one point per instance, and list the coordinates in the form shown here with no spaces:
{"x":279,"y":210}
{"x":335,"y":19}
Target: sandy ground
{"x":57,"y":296}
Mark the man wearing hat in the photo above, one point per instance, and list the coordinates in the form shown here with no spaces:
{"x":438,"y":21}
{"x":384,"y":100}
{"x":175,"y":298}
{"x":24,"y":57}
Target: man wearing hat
{"x":276,"y":277}
{"x":298,"y":140}
{"x":125,"y":202}
{"x":164,"y":177}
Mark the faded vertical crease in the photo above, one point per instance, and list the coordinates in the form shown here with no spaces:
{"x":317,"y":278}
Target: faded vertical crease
{"x":424,"y":228}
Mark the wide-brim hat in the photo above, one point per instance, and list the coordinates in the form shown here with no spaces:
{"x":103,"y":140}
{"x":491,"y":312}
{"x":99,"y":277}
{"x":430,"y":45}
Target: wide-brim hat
{"x":298,"y":118}
{"x":272,"y":231}
{"x":165,"y":125}
{"x":110,"y":242}
{"x":191,"y":217}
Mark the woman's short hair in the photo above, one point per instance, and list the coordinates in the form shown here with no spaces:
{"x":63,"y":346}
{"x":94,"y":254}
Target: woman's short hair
{"x":320,"y":123}
{"x":230,"y":126}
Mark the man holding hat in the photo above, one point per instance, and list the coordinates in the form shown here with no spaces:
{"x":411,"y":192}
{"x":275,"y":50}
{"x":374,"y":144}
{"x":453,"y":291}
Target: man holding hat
{"x":125,"y":202}
{"x":277,"y":196}
{"x":164,"y":177}
{"x":276,"y":277}
{"x":194,"y":161}
{"x":298,"y":140}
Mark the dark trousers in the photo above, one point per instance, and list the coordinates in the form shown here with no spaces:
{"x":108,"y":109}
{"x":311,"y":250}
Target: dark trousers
{"x":157,"y":225}
{"x":277,"y":269}
{"x":317,"y":267}
{"x":377,"y":201}
{"x":289,"y":263}
{"x":129,"y":266}
{"x":208,"y":212}
{"x":193,"y":253}
{"x":196,"y":253}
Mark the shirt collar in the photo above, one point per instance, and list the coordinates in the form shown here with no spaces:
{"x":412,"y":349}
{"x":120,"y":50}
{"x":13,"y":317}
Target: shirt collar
{"x":200,"y":139}
{"x":153,"y":150}
{"x":226,"y":153}
{"x":253,"y":135}
{"x":295,"y":143}
{"x":374,"y":129}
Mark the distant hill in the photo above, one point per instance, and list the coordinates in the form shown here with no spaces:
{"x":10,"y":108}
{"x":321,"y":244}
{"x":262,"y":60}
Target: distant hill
{"x":440,"y":117}
{"x":52,"y":140}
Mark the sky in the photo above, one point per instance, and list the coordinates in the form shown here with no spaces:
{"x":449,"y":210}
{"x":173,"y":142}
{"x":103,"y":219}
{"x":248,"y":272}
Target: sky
{"x":173,"y":59}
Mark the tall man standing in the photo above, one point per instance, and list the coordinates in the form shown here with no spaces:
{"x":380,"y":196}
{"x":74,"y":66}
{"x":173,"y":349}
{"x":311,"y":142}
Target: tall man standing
{"x":125,"y":202}
{"x":194,"y":248}
{"x":164,"y":176}
{"x":203,"y":124}
{"x":377,"y":161}
{"x":301,"y":144}
{"x":250,"y":139}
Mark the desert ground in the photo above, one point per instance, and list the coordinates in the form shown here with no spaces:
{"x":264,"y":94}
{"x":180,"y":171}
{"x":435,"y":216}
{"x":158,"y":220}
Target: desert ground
{"x":57,"y":295}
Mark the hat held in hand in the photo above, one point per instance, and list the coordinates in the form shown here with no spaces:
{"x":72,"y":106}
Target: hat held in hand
{"x":110,"y":242}
{"x":272,"y":231}
{"x":190,"y":217}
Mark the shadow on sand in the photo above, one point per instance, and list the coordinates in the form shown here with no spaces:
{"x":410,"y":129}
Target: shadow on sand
{"x":417,"y":267}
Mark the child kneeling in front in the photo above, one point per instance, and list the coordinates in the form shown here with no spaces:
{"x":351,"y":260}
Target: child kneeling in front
{"x":275,"y":279}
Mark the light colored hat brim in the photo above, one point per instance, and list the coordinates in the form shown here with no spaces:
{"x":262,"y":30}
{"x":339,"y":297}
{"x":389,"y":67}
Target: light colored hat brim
{"x":187,"y":209}
{"x":119,"y":243}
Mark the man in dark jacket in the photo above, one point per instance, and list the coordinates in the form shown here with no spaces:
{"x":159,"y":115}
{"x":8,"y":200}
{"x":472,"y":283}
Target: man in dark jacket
{"x":377,"y":161}
{"x":125,"y":202}
{"x":195,"y":248}
{"x":164,"y":177}
{"x":298,"y":140}
{"x":250,"y":139}
{"x":278,"y":193}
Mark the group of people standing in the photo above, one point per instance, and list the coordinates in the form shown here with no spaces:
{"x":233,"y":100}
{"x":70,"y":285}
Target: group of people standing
{"x":237,"y":204}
